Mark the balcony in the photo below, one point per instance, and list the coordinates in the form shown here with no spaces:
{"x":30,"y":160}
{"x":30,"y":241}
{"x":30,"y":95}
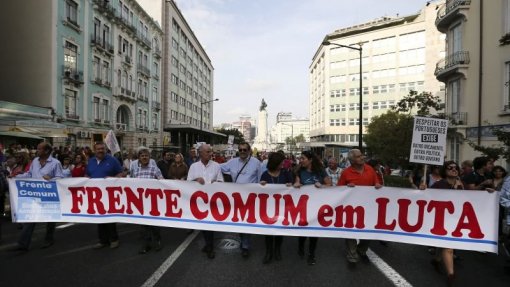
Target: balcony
{"x":458,"y":118}
{"x":127,"y":61}
{"x":104,"y":7}
{"x":157,"y":53}
{"x":156,"y":105}
{"x":451,"y":11}
{"x":101,"y":44}
{"x":97,"y":121}
{"x":98,"y":81}
{"x":144,"y":70}
{"x":73,"y":117}
{"x":454,"y":64}
{"x":123,"y":94}
{"x":121,"y":127}
{"x":144,"y":40}
{"x":71,"y":23}
{"x":72,"y":76}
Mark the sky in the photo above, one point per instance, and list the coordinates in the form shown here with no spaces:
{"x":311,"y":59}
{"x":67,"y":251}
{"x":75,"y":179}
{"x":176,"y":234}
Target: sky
{"x":263,"y":48}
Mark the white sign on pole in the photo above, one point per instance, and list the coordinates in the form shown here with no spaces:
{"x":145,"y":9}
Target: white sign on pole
{"x":230,"y":139}
{"x":429,"y":141}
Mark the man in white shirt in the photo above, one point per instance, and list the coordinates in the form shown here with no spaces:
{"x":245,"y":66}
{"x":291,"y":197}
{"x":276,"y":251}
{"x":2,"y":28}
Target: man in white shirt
{"x":244,"y":169}
{"x":206,"y":171}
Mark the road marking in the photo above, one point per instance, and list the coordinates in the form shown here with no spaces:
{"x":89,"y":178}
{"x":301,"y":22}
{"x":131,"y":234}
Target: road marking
{"x":386,"y":269}
{"x":170,"y":260}
{"x":65,"y":225}
{"x":87,"y":247}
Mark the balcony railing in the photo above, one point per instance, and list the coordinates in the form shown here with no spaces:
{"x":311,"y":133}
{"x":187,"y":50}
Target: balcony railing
{"x":127,"y":60}
{"x":144,"y":70}
{"x":450,"y":61}
{"x":458,"y":118}
{"x":72,"y":75}
{"x":72,"y":116}
{"x":156,"y":105}
{"x":100,"y":43}
{"x":449,"y":8}
{"x":144,"y":40}
{"x":104,"y":6}
{"x":121,"y":127}
{"x":157,"y":52}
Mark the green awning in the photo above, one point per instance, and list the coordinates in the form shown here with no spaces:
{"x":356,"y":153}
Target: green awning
{"x":19,"y":134}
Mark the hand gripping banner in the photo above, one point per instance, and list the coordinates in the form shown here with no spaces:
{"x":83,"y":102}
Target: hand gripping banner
{"x":433,"y":217}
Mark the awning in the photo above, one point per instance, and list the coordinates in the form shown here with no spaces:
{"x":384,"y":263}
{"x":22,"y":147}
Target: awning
{"x":41,"y":132}
{"x":19,"y":134}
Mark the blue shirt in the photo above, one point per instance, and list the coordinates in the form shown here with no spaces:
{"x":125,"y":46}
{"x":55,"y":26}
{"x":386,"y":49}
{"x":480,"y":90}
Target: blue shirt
{"x":52,"y":168}
{"x":249,"y":174}
{"x":109,"y":166}
{"x":307,"y":177}
{"x":283,"y":177}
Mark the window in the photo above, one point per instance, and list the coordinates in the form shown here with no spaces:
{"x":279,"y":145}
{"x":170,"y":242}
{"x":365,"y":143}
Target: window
{"x":72,"y":11}
{"x":70,"y":54}
{"x":70,"y":102}
{"x":106,"y":72}
{"x":106,"y":36}
{"x":139,"y":117}
{"x":375,"y":105}
{"x":154,"y":94}
{"x":391,"y":88}
{"x":173,"y":96}
{"x":144,"y":119}
{"x":105,"y":113}
{"x":119,"y":78}
{"x":97,"y":68}
{"x":155,"y":121}
{"x":455,"y":43}
{"x":97,"y":30}
{"x":95,"y":108}
{"x":453,"y":96}
{"x":331,"y":108}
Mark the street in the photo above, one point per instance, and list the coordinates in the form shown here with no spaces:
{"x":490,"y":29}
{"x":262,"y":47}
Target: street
{"x":73,"y":262}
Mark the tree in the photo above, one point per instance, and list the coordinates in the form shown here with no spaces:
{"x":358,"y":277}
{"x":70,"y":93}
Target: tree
{"x":423,"y":103}
{"x":389,"y":137}
{"x":495,"y":152}
{"x":238,"y":136}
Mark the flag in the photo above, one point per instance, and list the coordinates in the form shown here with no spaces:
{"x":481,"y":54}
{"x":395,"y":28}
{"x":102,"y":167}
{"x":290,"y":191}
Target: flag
{"x":111,"y":142}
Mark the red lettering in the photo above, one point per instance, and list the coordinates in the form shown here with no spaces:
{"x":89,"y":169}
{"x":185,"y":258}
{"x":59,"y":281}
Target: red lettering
{"x":263,"y":197}
{"x":94,"y":195}
{"x":225,"y":204}
{"x":114,"y":199}
{"x":76,"y":198}
{"x":293,"y":211}
{"x":244,"y":208}
{"x":349,"y":212}
{"x":154,"y":193}
{"x":471,"y":224}
{"x":440,"y":207}
{"x":382,"y":202}
{"x":171,"y":203}
{"x":403,"y":215}
{"x":325,"y":211}
{"x":133,"y":199}
{"x":193,"y":206}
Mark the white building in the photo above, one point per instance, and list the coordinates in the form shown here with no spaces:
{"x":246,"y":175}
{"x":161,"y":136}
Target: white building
{"x":288,"y":127}
{"x":399,"y":55}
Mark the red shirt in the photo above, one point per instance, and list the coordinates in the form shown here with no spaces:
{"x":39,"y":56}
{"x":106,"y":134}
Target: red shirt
{"x":366,"y":178}
{"x":78,"y":171}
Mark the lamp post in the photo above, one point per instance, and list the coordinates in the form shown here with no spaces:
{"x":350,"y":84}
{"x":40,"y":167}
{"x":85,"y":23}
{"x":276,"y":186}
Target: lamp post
{"x":360,"y":49}
{"x":291,"y":132}
{"x":202,"y":112}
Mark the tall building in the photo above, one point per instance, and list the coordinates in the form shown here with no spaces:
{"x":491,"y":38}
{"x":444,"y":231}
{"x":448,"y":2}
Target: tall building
{"x":188,"y":83}
{"x":288,"y":127}
{"x":244,"y":126}
{"x":476,"y":71}
{"x":399,"y":55}
{"x":95,"y":64}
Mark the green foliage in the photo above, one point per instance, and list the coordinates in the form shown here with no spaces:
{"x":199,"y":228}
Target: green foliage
{"x":495,"y":152}
{"x":389,"y":137}
{"x":238,"y":136}
{"x":423,"y":103}
{"x":396,"y":181}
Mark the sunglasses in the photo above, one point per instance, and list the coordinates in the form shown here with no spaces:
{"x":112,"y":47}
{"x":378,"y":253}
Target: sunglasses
{"x":452,"y":167}
{"x":243,"y":149}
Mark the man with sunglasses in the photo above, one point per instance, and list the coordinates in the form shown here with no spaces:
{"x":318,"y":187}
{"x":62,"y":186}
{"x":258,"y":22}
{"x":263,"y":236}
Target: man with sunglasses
{"x":244,"y":169}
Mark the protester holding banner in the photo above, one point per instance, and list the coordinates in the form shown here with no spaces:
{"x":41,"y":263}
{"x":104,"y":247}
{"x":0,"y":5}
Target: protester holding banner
{"x":504,"y":201}
{"x":450,"y":180}
{"x":206,"y":171}
{"x":243,"y":169}
{"x":178,"y":169}
{"x":311,"y":171}
{"x":79,"y":166}
{"x":481,"y":177}
{"x":42,"y":167}
{"x":275,"y":174}
{"x":103,"y":165}
{"x":358,"y":174}
{"x":165,"y":162}
{"x":152,"y":234}
{"x":333,"y":170}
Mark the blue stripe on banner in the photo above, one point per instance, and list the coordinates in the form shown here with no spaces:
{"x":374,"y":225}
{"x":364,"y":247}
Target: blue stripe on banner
{"x":292,"y":227}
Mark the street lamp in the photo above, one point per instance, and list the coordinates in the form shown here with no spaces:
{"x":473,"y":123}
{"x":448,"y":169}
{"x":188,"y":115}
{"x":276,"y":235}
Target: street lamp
{"x":202,"y":112}
{"x":360,"y":49}
{"x":291,"y":132}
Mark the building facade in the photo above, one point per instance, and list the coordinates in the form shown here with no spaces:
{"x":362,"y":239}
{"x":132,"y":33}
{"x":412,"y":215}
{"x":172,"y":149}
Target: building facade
{"x":288,"y":127}
{"x":95,"y":64}
{"x":244,"y":126}
{"x":398,"y":55}
{"x":188,"y":83}
{"x":476,"y":71}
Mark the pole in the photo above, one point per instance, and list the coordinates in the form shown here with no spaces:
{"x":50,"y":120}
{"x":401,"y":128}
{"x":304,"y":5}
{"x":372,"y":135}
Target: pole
{"x":360,"y":132}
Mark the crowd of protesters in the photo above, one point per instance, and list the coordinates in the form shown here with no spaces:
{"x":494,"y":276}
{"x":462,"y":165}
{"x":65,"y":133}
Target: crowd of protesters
{"x":204,"y":166}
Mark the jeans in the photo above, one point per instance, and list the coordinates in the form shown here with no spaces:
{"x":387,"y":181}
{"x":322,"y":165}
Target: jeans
{"x":209,"y":238}
{"x":28,"y":229}
{"x":151,"y":233}
{"x":245,"y":241}
{"x":107,"y":233}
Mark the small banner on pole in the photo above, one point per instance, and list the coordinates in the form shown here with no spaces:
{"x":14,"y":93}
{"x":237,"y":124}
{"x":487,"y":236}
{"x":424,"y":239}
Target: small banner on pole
{"x":429,"y":141}
{"x":111,"y":142}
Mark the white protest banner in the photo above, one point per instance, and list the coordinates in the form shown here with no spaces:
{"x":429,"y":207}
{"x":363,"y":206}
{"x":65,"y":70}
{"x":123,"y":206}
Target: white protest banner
{"x":111,"y":142}
{"x":443,"y":218}
{"x":429,"y":140}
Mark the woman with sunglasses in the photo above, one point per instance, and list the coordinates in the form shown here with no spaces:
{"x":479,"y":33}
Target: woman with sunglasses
{"x":275,"y":174}
{"x":310,"y":171}
{"x":450,"y":180}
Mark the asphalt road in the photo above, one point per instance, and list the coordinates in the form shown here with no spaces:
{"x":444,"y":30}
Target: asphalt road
{"x":73,"y":262}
